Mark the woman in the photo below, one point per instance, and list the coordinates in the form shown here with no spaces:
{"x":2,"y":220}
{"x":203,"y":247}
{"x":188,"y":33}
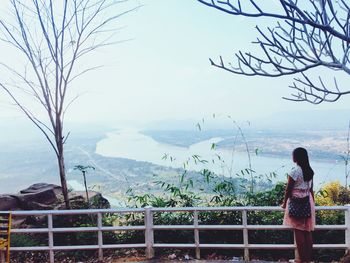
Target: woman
{"x":300,"y":184}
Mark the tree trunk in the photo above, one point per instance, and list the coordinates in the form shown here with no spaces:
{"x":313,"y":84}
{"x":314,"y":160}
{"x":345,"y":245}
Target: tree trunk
{"x":86,"y":189}
{"x":63,"y":179}
{"x":60,"y":158}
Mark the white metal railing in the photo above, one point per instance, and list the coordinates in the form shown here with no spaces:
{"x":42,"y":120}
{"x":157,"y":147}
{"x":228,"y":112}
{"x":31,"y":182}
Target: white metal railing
{"x":149,"y":229}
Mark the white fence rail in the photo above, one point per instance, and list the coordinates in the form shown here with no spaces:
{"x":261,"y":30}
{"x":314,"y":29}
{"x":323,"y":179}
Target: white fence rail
{"x":148,"y":228}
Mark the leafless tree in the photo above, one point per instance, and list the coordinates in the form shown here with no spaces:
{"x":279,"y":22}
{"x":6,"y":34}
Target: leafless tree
{"x":51,"y":37}
{"x":307,"y":34}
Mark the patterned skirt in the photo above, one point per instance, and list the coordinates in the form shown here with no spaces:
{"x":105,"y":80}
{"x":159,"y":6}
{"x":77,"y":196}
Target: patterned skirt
{"x":305,"y":224}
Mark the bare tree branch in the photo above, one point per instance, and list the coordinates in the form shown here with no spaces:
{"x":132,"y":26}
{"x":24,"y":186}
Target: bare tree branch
{"x":308,"y":34}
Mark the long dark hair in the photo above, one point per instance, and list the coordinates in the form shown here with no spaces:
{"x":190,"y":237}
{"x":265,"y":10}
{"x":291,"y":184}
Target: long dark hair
{"x":301,"y":157}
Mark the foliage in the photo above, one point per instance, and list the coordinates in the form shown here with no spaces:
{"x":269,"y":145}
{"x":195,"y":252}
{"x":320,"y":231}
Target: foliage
{"x":84,"y":169}
{"x":331,"y":194}
{"x":273,"y":197}
{"x":344,"y":196}
{"x":328,"y":194}
{"x":25,"y":240}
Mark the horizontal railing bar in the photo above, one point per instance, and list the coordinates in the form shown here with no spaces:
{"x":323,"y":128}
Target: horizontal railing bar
{"x":218,"y":227}
{"x":169,"y":209}
{"x":236,"y":208}
{"x":178,"y":245}
{"x":241,"y":227}
{"x":163,"y":245}
{"x":226,"y":246}
{"x":89,"y":247}
{"x":38,"y":248}
{"x":29,"y":230}
{"x":330,"y":246}
{"x":330,"y":227}
{"x":336,"y":208}
{"x":122,"y":228}
{"x":216,"y":209}
{"x":76,"y":211}
{"x":250,"y":246}
{"x":223,"y":246}
{"x":77,"y":247}
{"x":271,"y":246}
{"x":94,"y":229}
{"x":82,"y":247}
{"x":173,"y":227}
{"x":141,"y":245}
{"x":77,"y":229}
{"x":282,"y":227}
{"x":74,"y":229}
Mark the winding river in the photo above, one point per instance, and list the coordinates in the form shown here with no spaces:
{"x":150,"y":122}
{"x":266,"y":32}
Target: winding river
{"x":132,"y":144}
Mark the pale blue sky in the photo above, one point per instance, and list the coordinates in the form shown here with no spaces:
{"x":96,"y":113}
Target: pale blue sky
{"x":163,"y":72}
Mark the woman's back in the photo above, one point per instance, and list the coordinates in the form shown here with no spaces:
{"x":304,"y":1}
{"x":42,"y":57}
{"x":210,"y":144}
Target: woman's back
{"x":297,"y":176}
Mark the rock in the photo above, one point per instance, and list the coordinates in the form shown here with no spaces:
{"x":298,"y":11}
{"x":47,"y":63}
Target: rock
{"x":93,"y":196}
{"x":9,"y":202}
{"x":40,"y":187}
{"x":39,"y":196}
{"x":44,"y":196}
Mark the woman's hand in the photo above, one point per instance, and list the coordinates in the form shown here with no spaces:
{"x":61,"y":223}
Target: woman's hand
{"x":287,"y":194}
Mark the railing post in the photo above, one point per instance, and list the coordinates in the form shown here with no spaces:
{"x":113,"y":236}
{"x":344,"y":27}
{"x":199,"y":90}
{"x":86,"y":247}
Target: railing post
{"x":100,"y":236}
{"x":50,"y":228}
{"x":347,"y":224}
{"x":149,"y":236}
{"x":245,"y":235}
{"x":196,"y":234}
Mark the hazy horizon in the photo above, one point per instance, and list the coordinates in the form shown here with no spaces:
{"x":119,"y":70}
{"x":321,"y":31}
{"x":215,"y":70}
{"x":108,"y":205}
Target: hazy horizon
{"x":163,"y":72}
{"x":323,"y":120}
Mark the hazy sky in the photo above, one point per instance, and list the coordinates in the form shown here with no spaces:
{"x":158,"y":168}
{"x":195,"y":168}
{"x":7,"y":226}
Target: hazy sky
{"x":163,"y":71}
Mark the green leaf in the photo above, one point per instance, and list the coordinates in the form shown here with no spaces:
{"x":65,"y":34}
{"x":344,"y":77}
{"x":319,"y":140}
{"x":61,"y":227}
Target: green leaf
{"x":165,"y":156}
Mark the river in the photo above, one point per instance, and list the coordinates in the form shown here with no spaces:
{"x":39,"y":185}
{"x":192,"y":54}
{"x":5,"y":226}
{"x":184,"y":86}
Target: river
{"x":132,"y":144}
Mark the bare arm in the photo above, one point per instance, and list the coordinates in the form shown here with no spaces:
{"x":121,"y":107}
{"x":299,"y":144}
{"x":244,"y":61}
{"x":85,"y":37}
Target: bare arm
{"x":288,"y":192}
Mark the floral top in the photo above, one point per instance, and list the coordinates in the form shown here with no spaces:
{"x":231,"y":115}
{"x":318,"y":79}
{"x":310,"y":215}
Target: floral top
{"x":297,"y":176}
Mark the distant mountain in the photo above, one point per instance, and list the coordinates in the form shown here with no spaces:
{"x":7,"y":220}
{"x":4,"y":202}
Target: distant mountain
{"x":305,"y":120}
{"x":19,"y":130}
{"x":280,"y":121}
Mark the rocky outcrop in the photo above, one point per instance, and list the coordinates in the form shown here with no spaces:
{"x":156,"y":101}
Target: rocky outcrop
{"x":44,"y":196}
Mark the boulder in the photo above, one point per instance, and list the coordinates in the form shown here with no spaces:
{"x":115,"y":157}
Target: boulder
{"x":9,"y":202}
{"x":39,"y":196}
{"x":40,"y":187}
{"x":42,"y":196}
